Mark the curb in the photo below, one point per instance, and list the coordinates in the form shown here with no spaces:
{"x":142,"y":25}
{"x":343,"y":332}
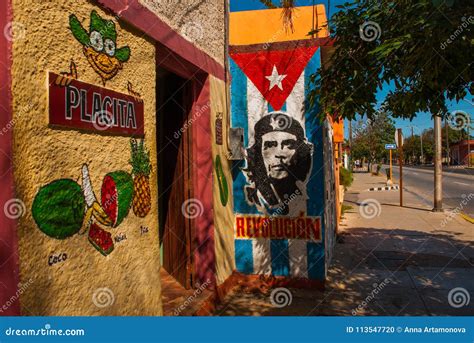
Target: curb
{"x":386,"y":188}
{"x":466,"y":217}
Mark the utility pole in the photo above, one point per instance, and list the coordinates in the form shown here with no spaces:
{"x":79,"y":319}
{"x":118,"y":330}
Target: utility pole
{"x":350,"y":145}
{"x":438,"y":186}
{"x":421,"y":146}
{"x":469,"y":141}
{"x":399,"y":140}
{"x":447,"y":141}
{"x":413,"y":150}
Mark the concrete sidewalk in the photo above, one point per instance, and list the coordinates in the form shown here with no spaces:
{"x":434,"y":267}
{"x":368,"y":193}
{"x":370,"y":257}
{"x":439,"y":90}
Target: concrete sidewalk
{"x":387,"y":261}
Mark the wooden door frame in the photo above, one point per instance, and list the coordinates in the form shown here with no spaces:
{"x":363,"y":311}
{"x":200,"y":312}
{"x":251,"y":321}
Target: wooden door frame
{"x":201,"y":247}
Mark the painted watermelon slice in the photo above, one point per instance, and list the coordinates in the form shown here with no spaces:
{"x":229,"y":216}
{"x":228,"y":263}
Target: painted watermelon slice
{"x":101,"y":239}
{"x":116,"y":195}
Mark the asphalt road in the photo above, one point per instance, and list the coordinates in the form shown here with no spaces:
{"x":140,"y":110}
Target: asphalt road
{"x":420,"y":182}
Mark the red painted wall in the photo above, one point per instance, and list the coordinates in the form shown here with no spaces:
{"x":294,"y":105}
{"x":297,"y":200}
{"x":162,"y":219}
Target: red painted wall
{"x":9,"y":271}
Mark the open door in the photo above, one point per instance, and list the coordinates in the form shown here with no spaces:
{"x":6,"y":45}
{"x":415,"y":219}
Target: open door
{"x":174,"y":102}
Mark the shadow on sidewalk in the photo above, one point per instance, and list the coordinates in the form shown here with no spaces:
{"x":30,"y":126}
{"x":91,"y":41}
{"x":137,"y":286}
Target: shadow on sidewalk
{"x":377,"y":272}
{"x":359,"y":203}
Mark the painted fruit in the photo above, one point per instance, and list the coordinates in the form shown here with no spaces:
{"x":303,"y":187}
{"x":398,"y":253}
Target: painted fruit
{"x":58,"y":208}
{"x":116,"y":195}
{"x":222,"y":181}
{"x":101,"y":239}
{"x":142,"y":195}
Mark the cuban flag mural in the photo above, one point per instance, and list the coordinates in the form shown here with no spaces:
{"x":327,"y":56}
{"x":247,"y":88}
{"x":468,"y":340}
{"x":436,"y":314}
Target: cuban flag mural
{"x":279,"y":188}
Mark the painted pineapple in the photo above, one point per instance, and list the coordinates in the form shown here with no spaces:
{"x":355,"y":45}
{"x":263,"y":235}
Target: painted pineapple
{"x":141,"y":169}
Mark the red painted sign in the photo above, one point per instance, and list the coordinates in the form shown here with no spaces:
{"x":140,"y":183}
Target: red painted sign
{"x":82,"y":106}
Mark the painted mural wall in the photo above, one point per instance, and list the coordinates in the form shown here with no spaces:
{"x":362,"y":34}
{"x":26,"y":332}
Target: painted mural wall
{"x":88,"y":237}
{"x":222,"y":183}
{"x":279,"y":188}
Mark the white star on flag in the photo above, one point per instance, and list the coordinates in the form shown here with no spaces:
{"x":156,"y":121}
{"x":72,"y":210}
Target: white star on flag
{"x":275,"y":79}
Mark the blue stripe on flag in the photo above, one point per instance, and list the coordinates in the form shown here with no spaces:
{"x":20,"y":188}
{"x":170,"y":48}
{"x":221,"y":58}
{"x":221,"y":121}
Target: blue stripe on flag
{"x":244,"y":256}
{"x":314,"y":133}
{"x":280,"y":257}
{"x":238,"y":97}
{"x":315,"y":261}
{"x":239,"y":117}
{"x":271,"y":109}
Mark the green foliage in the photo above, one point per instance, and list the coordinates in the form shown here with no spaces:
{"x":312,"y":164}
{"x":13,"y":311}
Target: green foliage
{"x":371,"y":136}
{"x":345,"y":177}
{"x":140,"y":159}
{"x":412,"y":146}
{"x":345,"y":208}
{"x":423,"y":49}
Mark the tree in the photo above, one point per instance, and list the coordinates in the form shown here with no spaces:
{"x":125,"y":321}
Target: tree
{"x":371,"y":136}
{"x":422,"y":48}
{"x":288,"y":8}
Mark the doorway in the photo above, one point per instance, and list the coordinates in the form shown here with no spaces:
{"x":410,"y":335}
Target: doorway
{"x":174,"y":103}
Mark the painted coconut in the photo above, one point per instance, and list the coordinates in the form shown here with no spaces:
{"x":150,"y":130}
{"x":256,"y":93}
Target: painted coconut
{"x":58,"y":208}
{"x":116,"y":195}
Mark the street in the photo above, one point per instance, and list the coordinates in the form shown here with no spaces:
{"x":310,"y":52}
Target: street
{"x":420,"y":182}
{"x":388,"y":260}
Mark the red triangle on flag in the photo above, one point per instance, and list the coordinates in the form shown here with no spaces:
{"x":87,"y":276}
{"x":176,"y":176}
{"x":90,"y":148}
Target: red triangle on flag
{"x":274,"y":73}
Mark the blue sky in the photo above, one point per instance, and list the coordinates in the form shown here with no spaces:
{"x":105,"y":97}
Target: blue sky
{"x":422,"y":120}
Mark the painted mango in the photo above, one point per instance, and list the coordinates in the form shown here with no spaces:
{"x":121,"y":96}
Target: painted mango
{"x":58,"y":208}
{"x":116,"y":195}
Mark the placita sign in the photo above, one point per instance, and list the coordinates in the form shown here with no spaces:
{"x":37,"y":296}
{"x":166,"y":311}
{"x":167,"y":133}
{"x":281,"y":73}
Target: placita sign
{"x":390,"y":146}
{"x":82,"y":106}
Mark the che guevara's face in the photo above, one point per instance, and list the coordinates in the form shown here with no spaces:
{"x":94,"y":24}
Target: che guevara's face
{"x":278,"y":149}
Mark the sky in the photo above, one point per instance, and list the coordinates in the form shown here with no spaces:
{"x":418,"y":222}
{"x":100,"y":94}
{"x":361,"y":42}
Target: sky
{"x":421,"y":122}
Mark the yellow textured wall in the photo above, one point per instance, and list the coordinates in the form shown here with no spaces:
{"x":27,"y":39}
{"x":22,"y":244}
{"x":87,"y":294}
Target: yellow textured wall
{"x":41,"y":155}
{"x":223,"y":215}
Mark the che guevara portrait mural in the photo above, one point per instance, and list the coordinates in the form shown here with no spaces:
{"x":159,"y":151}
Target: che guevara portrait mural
{"x":278,"y":188}
{"x":278,"y":164}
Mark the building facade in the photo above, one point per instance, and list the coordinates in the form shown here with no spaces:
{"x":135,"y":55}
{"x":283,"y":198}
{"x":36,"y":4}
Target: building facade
{"x":119,"y":157}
